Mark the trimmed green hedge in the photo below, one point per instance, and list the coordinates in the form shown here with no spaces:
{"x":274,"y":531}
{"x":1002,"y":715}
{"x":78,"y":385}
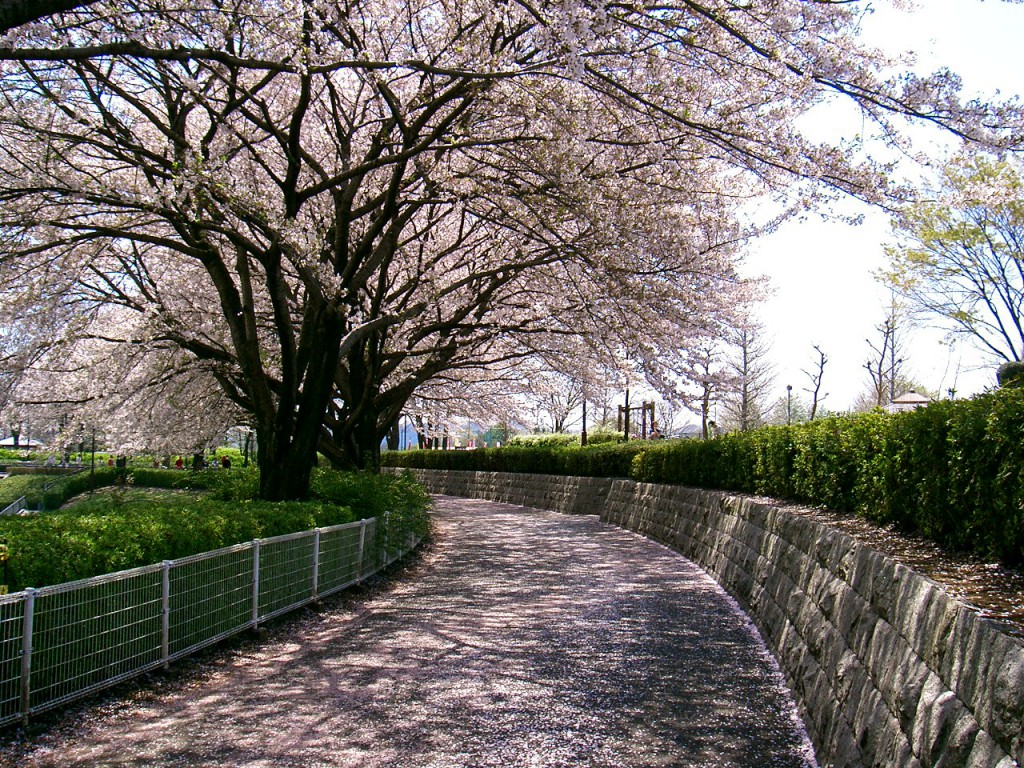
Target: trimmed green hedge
{"x":605,"y":460}
{"x":107,"y":533}
{"x":953,"y":471}
{"x":549,"y":439}
{"x":132,"y":525}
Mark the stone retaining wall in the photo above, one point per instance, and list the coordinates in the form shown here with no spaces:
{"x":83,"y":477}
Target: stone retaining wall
{"x":887,"y":668}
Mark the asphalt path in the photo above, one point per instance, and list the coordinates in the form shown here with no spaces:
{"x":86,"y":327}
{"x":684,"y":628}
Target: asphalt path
{"x":520,"y":638}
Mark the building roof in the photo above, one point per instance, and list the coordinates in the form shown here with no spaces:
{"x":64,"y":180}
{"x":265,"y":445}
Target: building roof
{"x":8,"y":442}
{"x":912,"y":397}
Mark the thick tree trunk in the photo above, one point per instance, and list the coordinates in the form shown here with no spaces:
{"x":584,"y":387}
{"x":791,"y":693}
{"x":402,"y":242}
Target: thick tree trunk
{"x":14,"y":13}
{"x":287,"y":437}
{"x":353,"y":440}
{"x":393,"y":437}
{"x":359,"y":443}
{"x":285,"y":466}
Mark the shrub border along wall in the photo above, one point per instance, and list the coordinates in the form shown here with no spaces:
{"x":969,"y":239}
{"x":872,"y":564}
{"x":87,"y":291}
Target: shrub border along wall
{"x":887,"y":668}
{"x":953,"y":471}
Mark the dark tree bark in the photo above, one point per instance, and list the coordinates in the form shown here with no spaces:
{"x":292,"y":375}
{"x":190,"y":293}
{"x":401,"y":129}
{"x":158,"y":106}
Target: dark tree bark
{"x":14,"y":13}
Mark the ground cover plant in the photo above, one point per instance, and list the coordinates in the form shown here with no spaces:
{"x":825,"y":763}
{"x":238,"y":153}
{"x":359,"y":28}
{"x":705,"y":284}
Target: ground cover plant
{"x":14,"y":487}
{"x":10,"y":455}
{"x":165,"y":514}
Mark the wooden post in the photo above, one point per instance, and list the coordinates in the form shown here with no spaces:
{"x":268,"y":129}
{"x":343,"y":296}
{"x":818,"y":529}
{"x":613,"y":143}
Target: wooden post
{"x":583,"y":436}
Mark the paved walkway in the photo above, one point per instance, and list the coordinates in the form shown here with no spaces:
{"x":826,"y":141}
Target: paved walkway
{"x":523,"y":638}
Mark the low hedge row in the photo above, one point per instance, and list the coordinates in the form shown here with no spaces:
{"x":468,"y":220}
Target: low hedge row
{"x":605,"y":460}
{"x":953,"y":471}
{"x":133,"y":525}
{"x":564,"y":440}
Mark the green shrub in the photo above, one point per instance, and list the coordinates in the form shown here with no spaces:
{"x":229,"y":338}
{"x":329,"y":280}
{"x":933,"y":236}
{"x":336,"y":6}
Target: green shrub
{"x":13,"y":487}
{"x":602,"y":459}
{"x":9,"y":455}
{"x":607,"y":460}
{"x":128,"y":525}
{"x":952,"y":471}
{"x":550,"y":439}
{"x":114,"y":531}
{"x":1011,"y":374}
{"x":601,"y":435}
{"x":370,"y":495}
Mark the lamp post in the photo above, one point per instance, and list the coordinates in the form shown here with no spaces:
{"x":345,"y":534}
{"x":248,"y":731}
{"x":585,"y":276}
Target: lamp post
{"x":583,"y":435}
{"x":623,"y":421}
{"x":789,"y":404}
{"x":92,"y":465}
{"x":892,"y":378}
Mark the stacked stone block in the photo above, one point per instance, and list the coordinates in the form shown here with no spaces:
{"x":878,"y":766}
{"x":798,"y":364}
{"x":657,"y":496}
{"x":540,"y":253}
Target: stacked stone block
{"x":888,"y":669}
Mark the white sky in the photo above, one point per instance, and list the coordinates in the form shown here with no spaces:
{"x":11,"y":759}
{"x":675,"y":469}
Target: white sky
{"x":821,"y":272}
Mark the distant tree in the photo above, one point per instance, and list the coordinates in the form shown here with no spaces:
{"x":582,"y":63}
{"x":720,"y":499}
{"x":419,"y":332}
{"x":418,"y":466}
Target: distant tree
{"x":816,"y":376}
{"x":745,"y":403}
{"x":708,"y":378}
{"x":669,"y":416}
{"x":960,"y":255}
{"x":791,"y":408}
{"x":153,"y":398}
{"x":887,"y":359}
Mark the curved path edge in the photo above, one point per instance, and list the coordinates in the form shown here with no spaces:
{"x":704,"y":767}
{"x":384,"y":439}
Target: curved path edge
{"x":887,"y":667}
{"x":521,"y":638}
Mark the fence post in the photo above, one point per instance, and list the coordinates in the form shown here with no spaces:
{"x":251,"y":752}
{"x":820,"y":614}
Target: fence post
{"x":165,"y":614}
{"x":26,"y":653}
{"x":316,"y":561}
{"x":255,"y":583}
{"x":387,"y":540}
{"x":362,"y":546}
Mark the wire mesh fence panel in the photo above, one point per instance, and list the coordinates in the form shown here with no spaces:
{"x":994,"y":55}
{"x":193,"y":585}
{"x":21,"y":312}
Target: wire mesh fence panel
{"x":210,"y":597}
{"x":371,"y":560}
{"x":339,"y":557}
{"x":90,"y":633}
{"x":389,"y":538}
{"x":61,"y":642}
{"x":15,"y":507}
{"x":12,"y":623}
{"x":285,"y":573}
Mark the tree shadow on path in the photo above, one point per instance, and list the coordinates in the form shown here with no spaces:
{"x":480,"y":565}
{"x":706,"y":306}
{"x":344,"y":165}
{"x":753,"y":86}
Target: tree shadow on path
{"x":523,"y":638}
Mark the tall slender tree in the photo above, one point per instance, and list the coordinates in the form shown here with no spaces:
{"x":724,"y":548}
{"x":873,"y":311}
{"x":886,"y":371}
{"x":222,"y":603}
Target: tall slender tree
{"x":888,"y":357}
{"x":816,"y":376}
{"x":746,"y":405}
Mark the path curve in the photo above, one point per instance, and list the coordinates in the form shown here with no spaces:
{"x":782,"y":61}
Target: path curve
{"x":524,"y":638}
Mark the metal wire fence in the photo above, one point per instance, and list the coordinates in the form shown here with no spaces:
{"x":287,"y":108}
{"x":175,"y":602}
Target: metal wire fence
{"x":66,"y":641}
{"x":15,"y":507}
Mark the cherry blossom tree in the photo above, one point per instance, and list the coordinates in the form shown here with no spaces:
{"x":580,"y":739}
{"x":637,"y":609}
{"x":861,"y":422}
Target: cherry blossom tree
{"x":138,"y":397}
{"x":709,"y":378}
{"x":329,"y":207}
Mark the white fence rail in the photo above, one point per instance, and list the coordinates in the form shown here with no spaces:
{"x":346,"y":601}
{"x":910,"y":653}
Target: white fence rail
{"x":66,"y":641}
{"x":15,"y":507}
